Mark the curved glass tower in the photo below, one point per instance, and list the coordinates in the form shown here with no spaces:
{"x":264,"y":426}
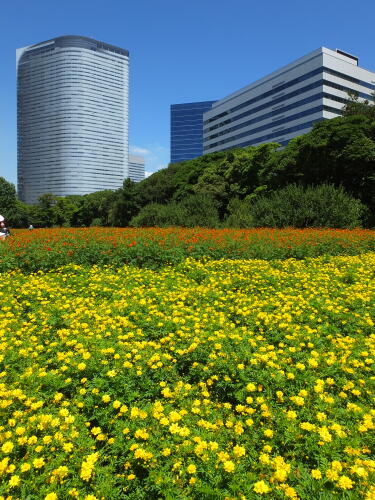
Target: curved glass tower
{"x":72,"y":111}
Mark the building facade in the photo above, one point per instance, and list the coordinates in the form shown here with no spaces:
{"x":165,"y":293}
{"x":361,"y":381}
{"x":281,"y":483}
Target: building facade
{"x":72,"y":114}
{"x":136,"y":168}
{"x":187,"y":130}
{"x":287,"y":102}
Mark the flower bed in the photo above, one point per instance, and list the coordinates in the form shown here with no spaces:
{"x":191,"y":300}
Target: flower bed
{"x":223,"y":380}
{"x":45,"y":249}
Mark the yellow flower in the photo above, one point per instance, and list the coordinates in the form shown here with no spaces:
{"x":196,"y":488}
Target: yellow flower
{"x":229,"y":466}
{"x":7,"y":447}
{"x":291,"y":415}
{"x":191,"y":469}
{"x":81,"y":366}
{"x":67,"y":447}
{"x":268,"y":433}
{"x":106,"y":398}
{"x":14,"y":481}
{"x":130,"y":477}
{"x":51,"y":496}
{"x":239,"y":451}
{"x":316,"y":474}
{"x":345,"y":483}
{"x":38,"y":463}
{"x":261,"y":487}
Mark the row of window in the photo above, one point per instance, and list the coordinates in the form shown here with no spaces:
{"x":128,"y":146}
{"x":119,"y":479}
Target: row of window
{"x":267,"y":126}
{"x":26,"y":87}
{"x":286,"y":97}
{"x":273,"y":135}
{"x":278,"y":89}
{"x":62,"y":68}
{"x":275,"y":114}
{"x":69,"y":106}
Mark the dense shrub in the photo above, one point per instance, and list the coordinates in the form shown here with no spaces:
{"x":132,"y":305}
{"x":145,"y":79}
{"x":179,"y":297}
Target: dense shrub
{"x":314,"y":206}
{"x":239,"y":214}
{"x":194,"y":210}
{"x":199,"y":210}
{"x":157,"y":215}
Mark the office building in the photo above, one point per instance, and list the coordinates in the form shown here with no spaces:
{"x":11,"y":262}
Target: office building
{"x":136,"y":168}
{"x":287,"y":102}
{"x":72,"y":110}
{"x":187,"y":130}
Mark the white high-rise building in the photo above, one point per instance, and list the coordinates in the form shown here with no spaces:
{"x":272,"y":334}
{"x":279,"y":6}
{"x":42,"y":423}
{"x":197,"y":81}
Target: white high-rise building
{"x":136,"y":168}
{"x":72,"y":110}
{"x":287,"y":102}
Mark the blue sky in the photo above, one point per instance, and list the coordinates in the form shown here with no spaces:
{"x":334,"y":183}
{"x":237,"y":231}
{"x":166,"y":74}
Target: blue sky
{"x":180,"y":51}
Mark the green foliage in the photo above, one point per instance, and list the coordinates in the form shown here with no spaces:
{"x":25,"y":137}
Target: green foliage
{"x":19,"y":215}
{"x":355,"y":106}
{"x":207,"y":191}
{"x":239,"y":214}
{"x":313,"y":206}
{"x":8,"y":197}
{"x":157,"y":215}
{"x":236,"y":175}
{"x":194,"y":210}
{"x":94,"y":206}
{"x":199,"y":210}
{"x":340,"y":151}
{"x":125,"y":204}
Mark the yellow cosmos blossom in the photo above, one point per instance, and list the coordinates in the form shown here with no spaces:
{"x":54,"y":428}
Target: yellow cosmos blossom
{"x":14,"y":481}
{"x":345,"y":483}
{"x":51,"y":496}
{"x":228,"y":466}
{"x":316,"y":474}
{"x":261,"y":488}
{"x":7,"y":447}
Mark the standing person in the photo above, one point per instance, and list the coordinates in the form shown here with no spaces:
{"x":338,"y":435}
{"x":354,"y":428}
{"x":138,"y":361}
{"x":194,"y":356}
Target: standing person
{"x":4,"y":231}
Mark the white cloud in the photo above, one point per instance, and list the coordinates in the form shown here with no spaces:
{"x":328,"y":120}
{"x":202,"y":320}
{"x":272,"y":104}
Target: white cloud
{"x":139,"y":151}
{"x":156,"y":156}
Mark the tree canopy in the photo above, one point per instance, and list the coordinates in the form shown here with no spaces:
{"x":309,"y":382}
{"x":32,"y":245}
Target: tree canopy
{"x":226,"y":185}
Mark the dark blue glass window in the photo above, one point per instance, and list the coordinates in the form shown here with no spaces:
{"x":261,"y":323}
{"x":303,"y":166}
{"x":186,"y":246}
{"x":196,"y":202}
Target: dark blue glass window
{"x":187,"y":130}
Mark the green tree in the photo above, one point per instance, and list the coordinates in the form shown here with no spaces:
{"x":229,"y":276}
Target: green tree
{"x":340,"y":151}
{"x":94,"y":207}
{"x":355,"y":106}
{"x":64,"y":211}
{"x":45,"y":213}
{"x":157,"y":215}
{"x":125,"y":204}
{"x":199,"y":210}
{"x":311,"y":206}
{"x":239,"y":214}
{"x":20,"y":214}
{"x":8,"y":197}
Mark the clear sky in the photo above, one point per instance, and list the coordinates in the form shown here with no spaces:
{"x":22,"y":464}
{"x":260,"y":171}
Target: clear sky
{"x":180,"y":51}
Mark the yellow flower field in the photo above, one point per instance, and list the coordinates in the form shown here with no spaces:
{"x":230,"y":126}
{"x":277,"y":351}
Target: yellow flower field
{"x":217,"y":380}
